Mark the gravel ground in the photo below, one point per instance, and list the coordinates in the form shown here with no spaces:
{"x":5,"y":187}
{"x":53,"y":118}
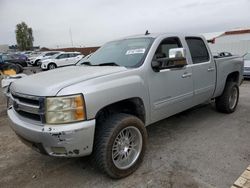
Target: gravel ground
{"x":197,"y":148}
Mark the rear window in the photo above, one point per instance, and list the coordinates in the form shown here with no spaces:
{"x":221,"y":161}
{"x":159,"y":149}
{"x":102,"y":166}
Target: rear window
{"x":197,"y":49}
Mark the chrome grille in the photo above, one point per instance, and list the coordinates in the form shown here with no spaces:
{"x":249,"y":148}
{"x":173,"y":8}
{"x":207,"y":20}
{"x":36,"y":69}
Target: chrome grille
{"x":30,"y":107}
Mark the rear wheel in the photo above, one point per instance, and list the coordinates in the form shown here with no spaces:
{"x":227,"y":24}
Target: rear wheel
{"x":120,"y":144}
{"x":228,"y":101}
{"x":51,"y":66}
{"x":20,"y":68}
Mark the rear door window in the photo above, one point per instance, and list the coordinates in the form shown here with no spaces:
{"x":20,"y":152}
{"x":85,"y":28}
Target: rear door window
{"x":198,"y":50}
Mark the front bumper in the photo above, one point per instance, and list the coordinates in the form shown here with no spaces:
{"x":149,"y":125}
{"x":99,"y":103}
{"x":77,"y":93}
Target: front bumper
{"x":44,"y":66}
{"x":31,"y":62}
{"x":69,"y":140}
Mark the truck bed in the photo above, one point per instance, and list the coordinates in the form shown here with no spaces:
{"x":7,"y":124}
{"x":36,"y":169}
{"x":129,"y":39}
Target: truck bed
{"x":226,"y":65}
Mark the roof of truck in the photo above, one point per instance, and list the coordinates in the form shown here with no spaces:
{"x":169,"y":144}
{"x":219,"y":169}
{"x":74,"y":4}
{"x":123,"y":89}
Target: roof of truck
{"x":155,"y":35}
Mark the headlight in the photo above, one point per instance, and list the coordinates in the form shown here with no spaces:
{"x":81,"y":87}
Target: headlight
{"x":65,"y":109}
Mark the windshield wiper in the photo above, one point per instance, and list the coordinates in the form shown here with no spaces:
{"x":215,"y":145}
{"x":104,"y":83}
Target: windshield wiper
{"x":108,"y":64}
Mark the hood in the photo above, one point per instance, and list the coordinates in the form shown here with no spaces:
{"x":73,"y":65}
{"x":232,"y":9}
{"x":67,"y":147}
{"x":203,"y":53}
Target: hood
{"x":247,"y":63}
{"x":50,"y":82}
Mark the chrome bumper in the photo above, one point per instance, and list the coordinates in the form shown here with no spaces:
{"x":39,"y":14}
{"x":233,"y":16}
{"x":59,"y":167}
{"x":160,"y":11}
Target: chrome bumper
{"x":69,"y":140}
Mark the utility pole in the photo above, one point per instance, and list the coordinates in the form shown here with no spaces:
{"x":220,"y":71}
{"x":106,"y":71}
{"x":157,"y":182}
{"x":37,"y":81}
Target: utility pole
{"x":71,"y":39}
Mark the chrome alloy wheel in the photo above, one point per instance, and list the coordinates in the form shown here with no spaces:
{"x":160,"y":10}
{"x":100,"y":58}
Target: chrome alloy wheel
{"x":233,"y":98}
{"x":127,"y":147}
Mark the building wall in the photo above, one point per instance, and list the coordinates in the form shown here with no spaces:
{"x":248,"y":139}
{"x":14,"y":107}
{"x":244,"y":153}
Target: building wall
{"x":233,"y":38}
{"x":237,"y":47}
{"x":85,"y":51}
{"x":237,"y":44}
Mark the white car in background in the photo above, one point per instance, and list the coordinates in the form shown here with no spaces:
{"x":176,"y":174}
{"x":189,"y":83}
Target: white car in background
{"x":44,"y":55}
{"x":60,"y":60}
{"x":246,"y":72}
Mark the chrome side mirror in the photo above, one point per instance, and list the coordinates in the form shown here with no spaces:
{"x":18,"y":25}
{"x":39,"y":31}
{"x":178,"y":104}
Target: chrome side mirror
{"x":177,"y":53}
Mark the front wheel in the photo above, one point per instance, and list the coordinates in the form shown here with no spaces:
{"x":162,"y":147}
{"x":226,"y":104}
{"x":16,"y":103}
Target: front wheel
{"x":51,"y":66}
{"x":228,"y":101}
{"x":120,"y":144}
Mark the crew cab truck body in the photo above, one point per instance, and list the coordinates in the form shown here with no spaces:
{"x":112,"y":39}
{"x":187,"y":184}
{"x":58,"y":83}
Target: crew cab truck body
{"x":102,"y":107}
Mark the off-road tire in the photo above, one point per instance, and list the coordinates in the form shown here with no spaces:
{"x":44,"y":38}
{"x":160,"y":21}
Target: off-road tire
{"x":222,"y":102}
{"x":105,"y":135}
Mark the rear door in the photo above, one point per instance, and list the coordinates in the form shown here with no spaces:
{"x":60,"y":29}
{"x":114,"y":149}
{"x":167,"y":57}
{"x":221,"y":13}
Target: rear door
{"x":203,"y":68}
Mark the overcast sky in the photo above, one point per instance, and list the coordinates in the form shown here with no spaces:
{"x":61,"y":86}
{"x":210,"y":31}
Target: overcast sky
{"x":95,"y":22}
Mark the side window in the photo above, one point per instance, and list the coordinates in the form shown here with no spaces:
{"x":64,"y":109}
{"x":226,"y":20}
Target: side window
{"x":73,"y":55}
{"x":197,"y":49}
{"x":167,"y":44}
{"x":62,"y":56}
{"x":48,"y":54}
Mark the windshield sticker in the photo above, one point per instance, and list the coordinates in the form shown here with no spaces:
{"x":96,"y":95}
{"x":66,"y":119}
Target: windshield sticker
{"x":136,"y":51}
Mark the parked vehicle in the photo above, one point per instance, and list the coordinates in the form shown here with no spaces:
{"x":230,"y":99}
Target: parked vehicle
{"x":61,"y":60}
{"x":246,"y":72}
{"x":102,"y":107}
{"x":9,"y":66}
{"x":83,"y":60}
{"x":221,"y":54}
{"x":8,"y":79}
{"x":34,"y":61}
{"x":14,"y":59}
{"x":20,"y":56}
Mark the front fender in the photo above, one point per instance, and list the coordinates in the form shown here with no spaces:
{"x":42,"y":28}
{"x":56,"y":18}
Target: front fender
{"x":101,"y":92}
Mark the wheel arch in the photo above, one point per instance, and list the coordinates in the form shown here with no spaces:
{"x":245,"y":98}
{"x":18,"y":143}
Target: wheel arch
{"x":233,"y":77}
{"x":51,"y":63}
{"x":133,"y":106}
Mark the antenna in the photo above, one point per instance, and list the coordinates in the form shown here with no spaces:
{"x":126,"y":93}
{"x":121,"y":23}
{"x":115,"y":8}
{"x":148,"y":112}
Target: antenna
{"x":147,"y":33}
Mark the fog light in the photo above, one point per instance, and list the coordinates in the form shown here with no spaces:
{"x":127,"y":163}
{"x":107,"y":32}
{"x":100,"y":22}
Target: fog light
{"x":58,"y":150}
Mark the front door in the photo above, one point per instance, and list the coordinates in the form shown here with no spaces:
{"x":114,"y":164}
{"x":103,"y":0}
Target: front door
{"x":171,"y":90}
{"x":62,"y":60}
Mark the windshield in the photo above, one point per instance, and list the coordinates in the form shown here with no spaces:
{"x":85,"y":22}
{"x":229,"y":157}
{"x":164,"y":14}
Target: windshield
{"x":247,"y":56}
{"x":127,"y":53}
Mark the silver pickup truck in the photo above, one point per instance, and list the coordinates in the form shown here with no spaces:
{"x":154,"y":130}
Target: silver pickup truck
{"x":102,"y":106}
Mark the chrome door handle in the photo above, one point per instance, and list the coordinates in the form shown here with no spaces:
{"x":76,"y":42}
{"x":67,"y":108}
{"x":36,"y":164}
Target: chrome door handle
{"x":210,"y":69}
{"x":186,"y":75}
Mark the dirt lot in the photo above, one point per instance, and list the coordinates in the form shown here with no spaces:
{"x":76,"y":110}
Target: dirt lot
{"x":197,"y":148}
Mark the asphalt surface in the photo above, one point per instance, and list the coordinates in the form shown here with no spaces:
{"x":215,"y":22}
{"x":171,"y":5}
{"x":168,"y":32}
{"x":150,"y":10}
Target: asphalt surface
{"x":197,"y":148}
